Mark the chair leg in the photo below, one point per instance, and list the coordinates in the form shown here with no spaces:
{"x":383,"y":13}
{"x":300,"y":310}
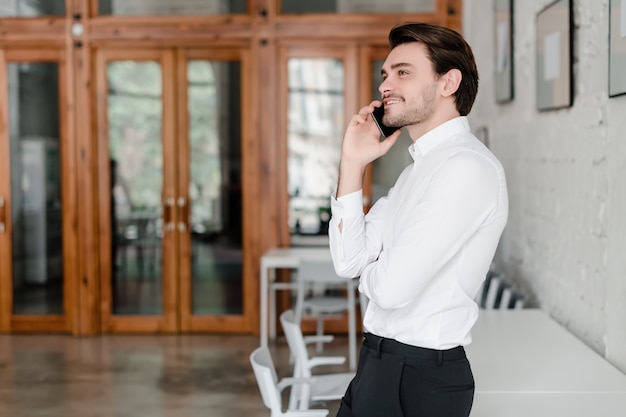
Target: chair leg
{"x":320,"y":332}
{"x":305,"y":397}
{"x":272,"y":314}
{"x":295,"y":393}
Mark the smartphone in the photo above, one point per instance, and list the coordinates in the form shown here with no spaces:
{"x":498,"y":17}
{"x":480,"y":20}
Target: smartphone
{"x":377,"y":115}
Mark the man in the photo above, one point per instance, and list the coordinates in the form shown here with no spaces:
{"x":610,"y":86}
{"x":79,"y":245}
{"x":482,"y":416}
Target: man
{"x":422,"y":251}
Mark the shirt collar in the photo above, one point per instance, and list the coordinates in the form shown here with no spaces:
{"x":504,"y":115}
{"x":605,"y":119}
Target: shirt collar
{"x":434,"y":137}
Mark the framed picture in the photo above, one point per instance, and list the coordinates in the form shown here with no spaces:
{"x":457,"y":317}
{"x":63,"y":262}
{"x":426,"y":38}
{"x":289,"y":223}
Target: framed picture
{"x":503,"y":50}
{"x":617,"y":48}
{"x":482,"y":133}
{"x":554,"y":56}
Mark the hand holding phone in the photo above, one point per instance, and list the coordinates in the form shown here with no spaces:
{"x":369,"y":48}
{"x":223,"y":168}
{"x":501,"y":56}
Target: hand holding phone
{"x":377,"y":115}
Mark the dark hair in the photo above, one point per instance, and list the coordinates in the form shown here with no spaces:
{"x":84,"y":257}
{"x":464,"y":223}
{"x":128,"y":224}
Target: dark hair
{"x":447,"y":50}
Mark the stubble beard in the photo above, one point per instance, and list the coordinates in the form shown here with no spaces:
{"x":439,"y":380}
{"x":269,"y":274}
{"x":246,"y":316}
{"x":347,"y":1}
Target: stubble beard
{"x":418,"y":110}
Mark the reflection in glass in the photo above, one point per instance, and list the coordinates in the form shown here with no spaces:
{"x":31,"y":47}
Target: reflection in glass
{"x":315,"y":129}
{"x":171,"y":7}
{"x":33,"y":90}
{"x":214,"y":92}
{"x":385,"y":170}
{"x":134,"y":117}
{"x":358,"y":6}
{"x":32,"y":8}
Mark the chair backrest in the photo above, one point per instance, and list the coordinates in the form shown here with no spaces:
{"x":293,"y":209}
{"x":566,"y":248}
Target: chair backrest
{"x":320,"y":276}
{"x":501,"y":294}
{"x":518,"y":301}
{"x":297,"y":345}
{"x":318,"y":271}
{"x":266,"y":378}
{"x":506,"y":297}
{"x":492,"y":292}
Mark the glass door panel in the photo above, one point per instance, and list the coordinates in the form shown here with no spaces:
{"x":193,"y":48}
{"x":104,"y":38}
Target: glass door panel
{"x":357,"y":6}
{"x":170,"y":7}
{"x":215,"y":192}
{"x":36,"y":206}
{"x":211,"y":111}
{"x":319,"y":93}
{"x":137,"y":159}
{"x":30,"y":8}
{"x":136,"y":163}
{"x":315,"y":124}
{"x":36,"y":203}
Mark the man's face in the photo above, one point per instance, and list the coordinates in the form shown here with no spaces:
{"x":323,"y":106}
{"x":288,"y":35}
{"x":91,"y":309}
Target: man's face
{"x":410,"y":86}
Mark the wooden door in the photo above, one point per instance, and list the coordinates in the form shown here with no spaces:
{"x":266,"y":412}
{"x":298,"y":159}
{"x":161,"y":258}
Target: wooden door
{"x":172,"y":229}
{"x":318,"y":94}
{"x":216,"y":155}
{"x":37,"y":217}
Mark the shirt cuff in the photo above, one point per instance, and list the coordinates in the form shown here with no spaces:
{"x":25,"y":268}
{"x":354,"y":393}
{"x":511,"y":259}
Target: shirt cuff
{"x":346,"y":206}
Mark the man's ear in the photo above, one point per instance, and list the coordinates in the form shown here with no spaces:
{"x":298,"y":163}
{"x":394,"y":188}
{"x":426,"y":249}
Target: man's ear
{"x":451,"y":82}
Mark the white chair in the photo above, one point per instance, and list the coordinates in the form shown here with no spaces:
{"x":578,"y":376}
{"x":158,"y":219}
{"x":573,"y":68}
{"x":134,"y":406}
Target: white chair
{"x":313,"y":274}
{"x":273,"y":287}
{"x":500,"y":294}
{"x":517,"y":301}
{"x":481,"y":296}
{"x":271,"y":388}
{"x":506,"y":297}
{"x":325,"y":387}
{"x":492,"y":286}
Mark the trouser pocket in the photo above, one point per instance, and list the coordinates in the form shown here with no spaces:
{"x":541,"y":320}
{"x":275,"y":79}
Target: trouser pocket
{"x":430,"y":389}
{"x":376,"y":391}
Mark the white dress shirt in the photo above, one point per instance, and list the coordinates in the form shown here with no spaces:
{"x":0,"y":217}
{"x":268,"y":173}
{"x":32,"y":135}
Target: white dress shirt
{"x":423,"y":251}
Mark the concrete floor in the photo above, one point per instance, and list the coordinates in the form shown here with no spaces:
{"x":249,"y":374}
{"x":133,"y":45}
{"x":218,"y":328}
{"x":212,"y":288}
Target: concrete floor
{"x":137,"y":376}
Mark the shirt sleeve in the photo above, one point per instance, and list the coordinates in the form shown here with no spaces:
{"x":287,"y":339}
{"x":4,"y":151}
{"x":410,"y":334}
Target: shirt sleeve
{"x":358,"y":242}
{"x":458,"y":200}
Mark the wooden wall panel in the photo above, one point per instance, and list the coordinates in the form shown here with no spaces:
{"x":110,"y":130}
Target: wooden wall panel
{"x":6,"y":273}
{"x":87,"y":279}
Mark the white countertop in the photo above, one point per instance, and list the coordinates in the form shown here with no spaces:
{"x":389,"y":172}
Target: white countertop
{"x":527,"y":351}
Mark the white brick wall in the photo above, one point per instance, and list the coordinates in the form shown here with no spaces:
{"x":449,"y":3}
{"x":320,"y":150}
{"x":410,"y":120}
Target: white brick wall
{"x":566,"y":237}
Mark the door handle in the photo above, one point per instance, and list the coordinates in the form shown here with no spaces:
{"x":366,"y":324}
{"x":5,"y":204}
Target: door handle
{"x":183,"y":214}
{"x":3,"y":227}
{"x":168,"y":207}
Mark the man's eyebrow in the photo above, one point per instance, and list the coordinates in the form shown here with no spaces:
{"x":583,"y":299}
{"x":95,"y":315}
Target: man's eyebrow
{"x":396,"y":66}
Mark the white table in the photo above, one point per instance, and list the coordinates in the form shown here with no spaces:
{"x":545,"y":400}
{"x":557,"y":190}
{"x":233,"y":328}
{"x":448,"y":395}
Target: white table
{"x":289,"y":258}
{"x":597,"y":404}
{"x":527,"y":351}
{"x":526,"y":364}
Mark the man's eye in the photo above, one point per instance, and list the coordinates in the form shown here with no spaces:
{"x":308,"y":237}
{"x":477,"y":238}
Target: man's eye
{"x":402,"y":72}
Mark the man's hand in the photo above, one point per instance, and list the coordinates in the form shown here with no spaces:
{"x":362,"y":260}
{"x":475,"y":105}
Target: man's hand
{"x":361,"y":145}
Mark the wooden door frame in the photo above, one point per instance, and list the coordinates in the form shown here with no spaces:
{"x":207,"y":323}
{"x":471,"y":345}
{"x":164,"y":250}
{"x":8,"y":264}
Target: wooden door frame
{"x":348,"y":54}
{"x":167,"y":321}
{"x":56,"y":322}
{"x":224,"y":323}
{"x":6,"y":254}
{"x":177,"y":272}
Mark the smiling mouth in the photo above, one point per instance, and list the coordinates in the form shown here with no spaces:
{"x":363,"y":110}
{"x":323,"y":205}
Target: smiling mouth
{"x":391,"y":101}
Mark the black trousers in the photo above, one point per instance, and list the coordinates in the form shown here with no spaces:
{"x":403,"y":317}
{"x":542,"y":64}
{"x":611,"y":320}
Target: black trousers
{"x":398,"y":380}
